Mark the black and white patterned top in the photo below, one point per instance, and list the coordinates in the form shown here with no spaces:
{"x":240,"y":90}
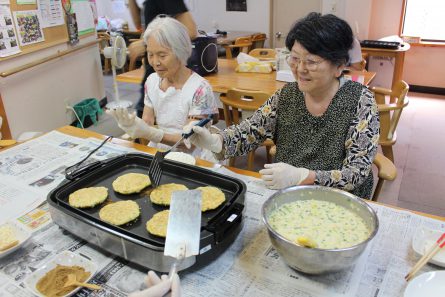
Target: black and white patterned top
{"x":339,"y":145}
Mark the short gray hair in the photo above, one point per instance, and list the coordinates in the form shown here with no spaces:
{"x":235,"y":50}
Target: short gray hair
{"x":171,"y":34}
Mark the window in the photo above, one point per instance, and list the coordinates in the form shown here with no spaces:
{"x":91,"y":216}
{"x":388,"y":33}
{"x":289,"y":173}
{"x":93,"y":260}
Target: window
{"x":424,"y":19}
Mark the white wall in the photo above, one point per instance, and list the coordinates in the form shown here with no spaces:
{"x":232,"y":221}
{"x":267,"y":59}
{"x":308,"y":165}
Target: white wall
{"x":211,"y":15}
{"x":356,"y":13}
{"x":34,"y":99}
{"x":115,"y":9}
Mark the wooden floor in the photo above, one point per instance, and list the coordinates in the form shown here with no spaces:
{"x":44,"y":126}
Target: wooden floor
{"x":419,"y":152}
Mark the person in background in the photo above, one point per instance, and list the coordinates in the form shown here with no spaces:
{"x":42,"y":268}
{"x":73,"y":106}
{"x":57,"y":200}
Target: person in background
{"x":325,"y":128}
{"x":152,"y":8}
{"x":137,"y":13}
{"x":174,"y":94}
{"x":355,"y":56}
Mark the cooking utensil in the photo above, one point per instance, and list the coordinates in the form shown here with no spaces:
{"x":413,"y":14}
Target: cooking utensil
{"x":132,"y":242}
{"x":184,"y":226}
{"x":314,"y":260}
{"x":72,"y":281}
{"x":440,"y":243}
{"x":155,"y":170}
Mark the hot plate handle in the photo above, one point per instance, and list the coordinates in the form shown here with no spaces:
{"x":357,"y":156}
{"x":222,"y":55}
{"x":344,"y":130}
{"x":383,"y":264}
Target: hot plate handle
{"x":228,"y":220}
{"x":80,"y":171}
{"x":76,"y":172}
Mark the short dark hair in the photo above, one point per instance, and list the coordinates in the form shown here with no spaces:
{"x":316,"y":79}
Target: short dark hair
{"x":326,"y":36}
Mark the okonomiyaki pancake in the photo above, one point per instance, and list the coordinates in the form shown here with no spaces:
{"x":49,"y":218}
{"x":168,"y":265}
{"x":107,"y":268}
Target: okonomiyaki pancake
{"x":163,"y":194}
{"x":131,"y":183}
{"x":157,"y":225}
{"x":212,"y":198}
{"x":120,"y":213}
{"x":88,"y":197}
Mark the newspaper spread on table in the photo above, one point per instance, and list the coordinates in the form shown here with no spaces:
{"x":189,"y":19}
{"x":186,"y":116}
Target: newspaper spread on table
{"x":249,"y":267}
{"x":30,"y":170}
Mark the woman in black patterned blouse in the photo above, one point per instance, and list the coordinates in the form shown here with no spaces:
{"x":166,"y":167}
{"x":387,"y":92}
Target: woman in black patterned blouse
{"x":325,"y":128}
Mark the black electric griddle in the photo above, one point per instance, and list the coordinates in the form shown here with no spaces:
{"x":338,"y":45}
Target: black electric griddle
{"x":219,"y":227}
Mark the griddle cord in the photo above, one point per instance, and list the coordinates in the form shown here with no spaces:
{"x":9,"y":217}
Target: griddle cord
{"x":69,"y":170}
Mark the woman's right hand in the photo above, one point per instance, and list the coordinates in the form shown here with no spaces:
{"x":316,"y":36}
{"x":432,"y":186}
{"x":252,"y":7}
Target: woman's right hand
{"x":134,"y":126}
{"x":158,"y":287}
{"x":202,"y":138}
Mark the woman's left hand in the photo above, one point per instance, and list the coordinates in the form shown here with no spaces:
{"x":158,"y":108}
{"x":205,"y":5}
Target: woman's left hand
{"x":281,"y":175}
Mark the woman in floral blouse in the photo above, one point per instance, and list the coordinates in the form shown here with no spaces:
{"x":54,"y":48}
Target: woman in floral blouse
{"x":325,"y":128}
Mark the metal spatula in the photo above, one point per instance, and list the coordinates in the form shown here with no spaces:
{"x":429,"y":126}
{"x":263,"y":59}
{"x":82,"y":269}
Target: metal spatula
{"x":184,"y":226}
{"x":155,"y":170}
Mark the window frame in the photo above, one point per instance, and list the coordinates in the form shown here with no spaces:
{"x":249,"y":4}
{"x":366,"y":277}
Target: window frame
{"x":424,"y":42}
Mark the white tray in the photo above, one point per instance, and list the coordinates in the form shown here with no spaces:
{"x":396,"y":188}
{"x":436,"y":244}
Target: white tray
{"x":22,"y":235}
{"x":65,"y":258}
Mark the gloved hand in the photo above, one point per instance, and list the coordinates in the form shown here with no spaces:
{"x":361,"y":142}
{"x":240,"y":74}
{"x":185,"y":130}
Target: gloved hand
{"x":281,"y":175}
{"x":158,"y":287}
{"x":202,"y":138}
{"x":135,"y":126}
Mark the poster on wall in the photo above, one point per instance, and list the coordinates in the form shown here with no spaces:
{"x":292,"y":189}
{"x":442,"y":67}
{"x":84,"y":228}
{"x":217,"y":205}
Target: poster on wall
{"x":28,"y":27}
{"x":51,"y":12}
{"x":25,"y":2}
{"x":84,"y":16}
{"x":8,"y":37}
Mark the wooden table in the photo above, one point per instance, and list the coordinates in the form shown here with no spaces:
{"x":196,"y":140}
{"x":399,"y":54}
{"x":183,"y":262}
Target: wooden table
{"x":232,"y":35}
{"x":397,"y":54}
{"x":227,"y":78}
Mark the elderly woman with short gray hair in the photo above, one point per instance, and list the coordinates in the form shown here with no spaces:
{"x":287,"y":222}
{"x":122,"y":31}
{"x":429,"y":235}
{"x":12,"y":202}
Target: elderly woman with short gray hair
{"x":174,"y":94}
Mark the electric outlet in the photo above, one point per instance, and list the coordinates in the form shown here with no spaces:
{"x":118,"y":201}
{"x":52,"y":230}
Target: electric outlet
{"x":67,"y":104}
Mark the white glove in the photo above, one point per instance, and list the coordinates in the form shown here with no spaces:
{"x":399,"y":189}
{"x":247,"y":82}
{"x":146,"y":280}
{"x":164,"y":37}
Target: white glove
{"x":282,"y":175}
{"x":158,"y":287}
{"x":135,"y":126}
{"x":202,"y":138}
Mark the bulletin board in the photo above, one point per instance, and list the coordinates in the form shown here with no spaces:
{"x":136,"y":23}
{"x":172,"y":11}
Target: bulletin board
{"x":53,"y":36}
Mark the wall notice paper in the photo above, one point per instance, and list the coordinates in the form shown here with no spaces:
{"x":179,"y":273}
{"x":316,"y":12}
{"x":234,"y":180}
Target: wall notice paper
{"x":250,"y":267}
{"x":28,"y":27}
{"x":84,"y":16}
{"x":8,"y":37}
{"x":51,"y":12}
{"x":28,"y":172}
{"x":24,"y":2}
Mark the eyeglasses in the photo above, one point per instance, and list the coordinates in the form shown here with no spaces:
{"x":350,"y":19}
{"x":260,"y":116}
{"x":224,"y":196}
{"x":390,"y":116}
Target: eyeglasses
{"x":310,"y":65}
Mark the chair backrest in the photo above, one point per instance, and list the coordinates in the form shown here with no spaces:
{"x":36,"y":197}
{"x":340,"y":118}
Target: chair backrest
{"x":263,"y":53}
{"x":236,"y":99}
{"x":390,"y":104}
{"x":363,"y":65}
{"x":258,"y":40}
{"x":136,"y":51}
{"x":243,"y":43}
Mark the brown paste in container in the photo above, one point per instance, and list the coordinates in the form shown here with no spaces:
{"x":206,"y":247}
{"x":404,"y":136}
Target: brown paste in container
{"x":52,"y":283}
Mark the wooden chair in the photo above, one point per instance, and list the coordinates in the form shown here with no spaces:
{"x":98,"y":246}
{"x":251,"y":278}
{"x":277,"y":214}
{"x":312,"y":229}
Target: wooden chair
{"x":390,"y":104}
{"x":263,"y":53}
{"x":258,"y":40}
{"x":105,"y":40}
{"x":244,"y":100}
{"x":241,"y":43}
{"x":136,"y":52}
{"x":386,"y":170}
{"x":4,"y":130}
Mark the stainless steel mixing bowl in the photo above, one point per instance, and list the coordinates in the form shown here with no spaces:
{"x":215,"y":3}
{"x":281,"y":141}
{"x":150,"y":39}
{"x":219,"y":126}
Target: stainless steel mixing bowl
{"x":313,"y":260}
